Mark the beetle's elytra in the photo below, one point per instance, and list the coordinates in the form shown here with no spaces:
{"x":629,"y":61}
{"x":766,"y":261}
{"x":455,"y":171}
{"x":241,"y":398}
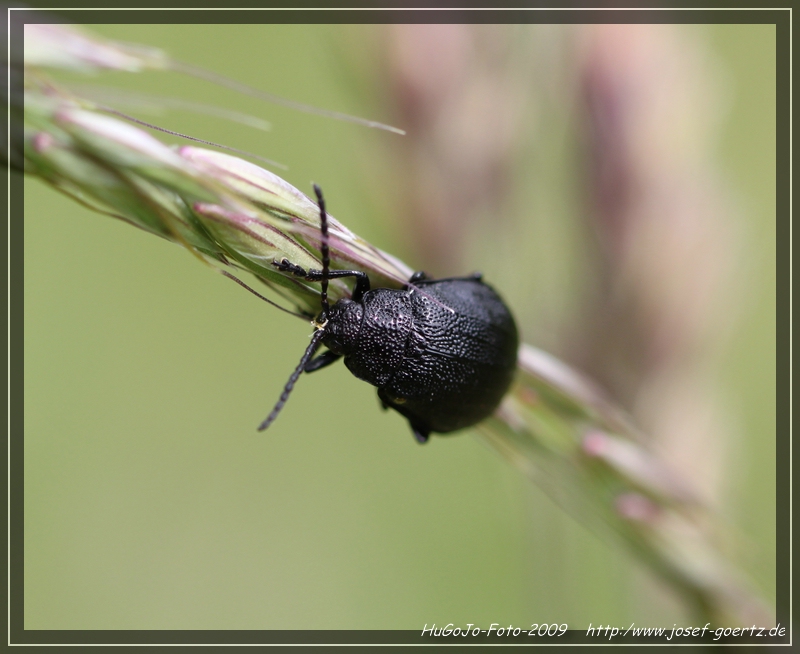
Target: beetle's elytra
{"x":442,"y":352}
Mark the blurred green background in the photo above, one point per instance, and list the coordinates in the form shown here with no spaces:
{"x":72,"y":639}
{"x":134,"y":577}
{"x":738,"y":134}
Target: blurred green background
{"x":150,"y":500}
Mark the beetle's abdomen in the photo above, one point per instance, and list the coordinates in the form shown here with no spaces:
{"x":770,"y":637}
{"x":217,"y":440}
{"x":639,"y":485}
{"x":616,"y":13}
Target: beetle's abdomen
{"x":380,"y":346}
{"x":458,"y":364}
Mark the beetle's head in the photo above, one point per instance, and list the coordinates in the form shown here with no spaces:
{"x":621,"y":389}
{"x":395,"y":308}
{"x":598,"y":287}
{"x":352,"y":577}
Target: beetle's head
{"x":342,"y":326}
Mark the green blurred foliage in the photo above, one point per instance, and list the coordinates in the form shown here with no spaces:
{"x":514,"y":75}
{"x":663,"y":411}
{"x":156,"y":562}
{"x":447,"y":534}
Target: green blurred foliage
{"x":152,"y":503}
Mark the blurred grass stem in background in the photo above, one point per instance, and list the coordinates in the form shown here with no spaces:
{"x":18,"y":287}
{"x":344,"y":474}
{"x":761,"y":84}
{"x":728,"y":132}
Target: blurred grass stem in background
{"x":554,"y":426}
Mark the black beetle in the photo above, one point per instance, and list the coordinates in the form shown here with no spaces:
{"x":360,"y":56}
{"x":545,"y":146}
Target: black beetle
{"x":442,"y":352}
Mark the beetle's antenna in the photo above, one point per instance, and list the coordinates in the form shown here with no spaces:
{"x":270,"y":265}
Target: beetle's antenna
{"x":326,"y":255}
{"x":312,"y":347}
{"x":266,"y":299}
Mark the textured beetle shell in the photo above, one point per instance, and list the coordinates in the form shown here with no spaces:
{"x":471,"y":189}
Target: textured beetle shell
{"x":443,"y":370}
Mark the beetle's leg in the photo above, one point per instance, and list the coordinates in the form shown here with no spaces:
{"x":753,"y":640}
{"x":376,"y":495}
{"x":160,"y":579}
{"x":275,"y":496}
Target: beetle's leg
{"x":362,"y":280}
{"x":287,"y":266}
{"x":383,"y":400}
{"x":324,"y":359}
{"x":422,"y":277}
{"x":420,"y":434}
